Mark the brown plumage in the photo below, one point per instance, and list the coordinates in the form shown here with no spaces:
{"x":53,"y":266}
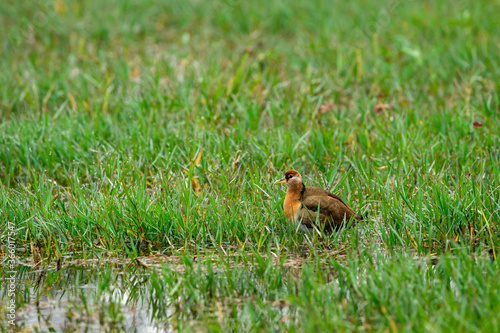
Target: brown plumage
{"x":302,"y":203}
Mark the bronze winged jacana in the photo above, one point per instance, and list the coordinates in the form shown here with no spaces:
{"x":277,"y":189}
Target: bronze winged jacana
{"x":307,"y":205}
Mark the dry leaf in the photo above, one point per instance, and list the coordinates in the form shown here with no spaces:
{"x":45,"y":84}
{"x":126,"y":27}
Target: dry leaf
{"x":198,"y":158}
{"x":326,"y":108}
{"x":379,"y":108}
{"x":46,"y":99}
{"x":140,"y":263}
{"x":196,"y":186}
{"x":135,"y":74}
{"x":236,"y":160}
{"x":73,"y":102}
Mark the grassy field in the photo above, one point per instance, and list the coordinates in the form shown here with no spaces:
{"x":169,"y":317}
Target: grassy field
{"x":139,"y":141}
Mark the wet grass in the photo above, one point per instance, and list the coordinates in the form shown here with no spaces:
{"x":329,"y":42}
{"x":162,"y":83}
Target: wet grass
{"x":250,"y":291}
{"x":133,"y":129}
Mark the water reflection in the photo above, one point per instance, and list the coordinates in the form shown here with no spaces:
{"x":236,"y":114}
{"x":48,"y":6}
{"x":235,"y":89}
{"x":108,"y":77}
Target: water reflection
{"x":83,"y":299}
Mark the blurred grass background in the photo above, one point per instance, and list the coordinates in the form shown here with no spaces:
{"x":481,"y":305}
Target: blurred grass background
{"x":106,"y":106}
{"x":139,"y":127}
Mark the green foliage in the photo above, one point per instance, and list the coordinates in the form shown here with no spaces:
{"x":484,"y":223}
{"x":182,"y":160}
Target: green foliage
{"x":132,"y":128}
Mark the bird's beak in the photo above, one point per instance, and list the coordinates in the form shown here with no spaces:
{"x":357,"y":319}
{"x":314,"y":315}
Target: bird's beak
{"x":281,"y":181}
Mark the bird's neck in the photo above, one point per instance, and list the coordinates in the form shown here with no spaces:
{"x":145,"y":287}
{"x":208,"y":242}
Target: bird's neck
{"x":294,"y":191}
{"x":292,"y":201}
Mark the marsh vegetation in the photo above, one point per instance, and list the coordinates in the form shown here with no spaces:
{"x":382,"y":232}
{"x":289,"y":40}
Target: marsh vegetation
{"x":139,"y":141}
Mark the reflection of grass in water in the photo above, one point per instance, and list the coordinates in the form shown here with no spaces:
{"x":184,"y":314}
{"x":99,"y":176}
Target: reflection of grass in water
{"x":145,"y":128}
{"x":245,"y":291}
{"x":78,"y":298}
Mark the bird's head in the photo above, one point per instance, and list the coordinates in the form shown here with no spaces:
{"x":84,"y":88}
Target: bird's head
{"x":292,"y":178}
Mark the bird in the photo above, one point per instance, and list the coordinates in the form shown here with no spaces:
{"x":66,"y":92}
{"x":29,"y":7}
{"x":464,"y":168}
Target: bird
{"x":303,"y":202}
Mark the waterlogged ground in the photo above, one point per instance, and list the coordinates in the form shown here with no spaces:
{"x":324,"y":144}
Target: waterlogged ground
{"x":112,"y":294}
{"x":139,"y":141}
{"x":237,"y":289}
{"x":68,"y":310}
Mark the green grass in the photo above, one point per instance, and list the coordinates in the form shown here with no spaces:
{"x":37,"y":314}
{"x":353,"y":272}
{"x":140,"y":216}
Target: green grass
{"x":136,"y":128}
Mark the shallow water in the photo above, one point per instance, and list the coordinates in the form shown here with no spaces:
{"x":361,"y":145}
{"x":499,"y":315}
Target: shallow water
{"x":96,"y":295}
{"x":51,"y":314}
{"x":86,"y":300}
{"x":119,"y":294}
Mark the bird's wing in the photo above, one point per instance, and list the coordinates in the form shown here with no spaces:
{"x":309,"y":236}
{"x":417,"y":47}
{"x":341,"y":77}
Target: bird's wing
{"x":330,"y":206}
